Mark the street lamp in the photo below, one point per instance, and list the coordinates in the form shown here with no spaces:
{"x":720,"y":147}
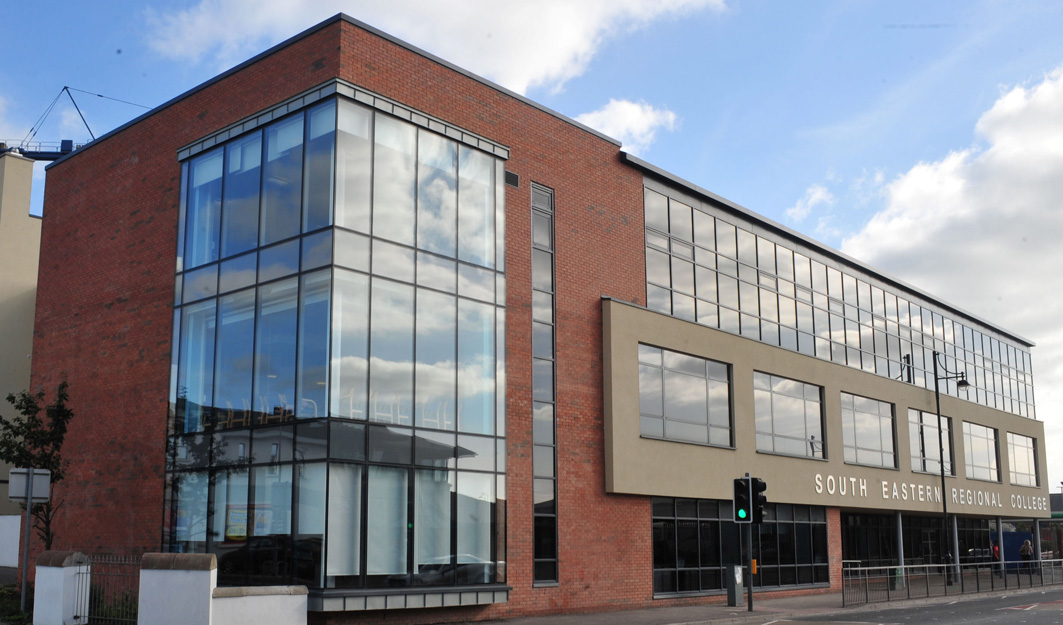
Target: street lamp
{"x":961,"y":385}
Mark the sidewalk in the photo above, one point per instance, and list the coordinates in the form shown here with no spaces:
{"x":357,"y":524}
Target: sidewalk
{"x":764,"y":610}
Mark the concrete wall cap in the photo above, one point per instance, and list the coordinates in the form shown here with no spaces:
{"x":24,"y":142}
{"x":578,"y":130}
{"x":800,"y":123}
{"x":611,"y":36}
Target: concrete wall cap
{"x":257,"y":591}
{"x":179,"y":562}
{"x":62,"y":558}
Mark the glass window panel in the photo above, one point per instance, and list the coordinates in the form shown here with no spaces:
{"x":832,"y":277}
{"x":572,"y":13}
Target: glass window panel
{"x":657,"y":267}
{"x":435,"y":449}
{"x":542,"y":270}
{"x":354,"y":150}
{"x":476,"y":367}
{"x":243,"y":175}
{"x":352,"y":250}
{"x":350,"y":340}
{"x":682,"y":275}
{"x":394,"y":181}
{"x":317,"y":250}
{"x":476,"y":503}
{"x":344,"y":518}
{"x":346,"y":440}
{"x":476,"y":453}
{"x":237,"y":273}
{"x":229,"y":522}
{"x":543,"y":423}
{"x":320,"y":166}
{"x":438,"y":273}
{"x":542,"y":231}
{"x":189,"y":534}
{"x":282,"y":181}
{"x":387,"y":515}
{"x":542,"y":306}
{"x":203,"y":213}
{"x":436,"y":372}
{"x":685,"y":397}
{"x":476,"y":210}
{"x":314,"y":325}
{"x":201,"y":283}
{"x":704,"y":230}
{"x":311,"y":440}
{"x":391,"y":373}
{"x":275,"y":351}
{"x":278,"y":261}
{"x":437,"y":193}
{"x":476,"y":282}
{"x":196,"y":371}
{"x":542,"y":380}
{"x":679,"y":223}
{"x":432,"y":523}
{"x":656,"y":211}
{"x":392,"y":261}
{"x":726,"y":242}
{"x":234,"y":370}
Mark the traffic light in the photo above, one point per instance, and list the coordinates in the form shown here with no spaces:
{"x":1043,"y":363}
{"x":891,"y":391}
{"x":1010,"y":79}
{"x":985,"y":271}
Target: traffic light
{"x":757,"y":487}
{"x":743,"y":512}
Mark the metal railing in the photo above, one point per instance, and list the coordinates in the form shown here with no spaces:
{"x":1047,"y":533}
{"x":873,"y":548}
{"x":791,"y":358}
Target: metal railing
{"x":872,"y":584}
{"x":110,"y":587}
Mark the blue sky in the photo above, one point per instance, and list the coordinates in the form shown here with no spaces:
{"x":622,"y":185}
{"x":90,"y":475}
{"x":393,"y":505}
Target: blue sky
{"x":925,"y":138}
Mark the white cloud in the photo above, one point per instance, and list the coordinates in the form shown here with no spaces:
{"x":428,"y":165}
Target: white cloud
{"x":635,"y":124}
{"x":814,"y":195}
{"x":520,"y":45}
{"x":980,"y":228}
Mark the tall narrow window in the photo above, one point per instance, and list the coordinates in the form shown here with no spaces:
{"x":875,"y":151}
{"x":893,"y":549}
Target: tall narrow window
{"x":544,"y":459}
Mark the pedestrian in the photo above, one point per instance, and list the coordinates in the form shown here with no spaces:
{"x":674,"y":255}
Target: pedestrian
{"x":996,"y":559}
{"x":1026,"y":551}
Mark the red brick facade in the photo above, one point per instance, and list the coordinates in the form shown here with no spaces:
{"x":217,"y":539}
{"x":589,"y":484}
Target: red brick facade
{"x":104,"y":312}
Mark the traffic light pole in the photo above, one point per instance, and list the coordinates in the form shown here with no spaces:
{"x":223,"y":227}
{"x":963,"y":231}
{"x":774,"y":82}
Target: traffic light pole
{"x":749,"y":564}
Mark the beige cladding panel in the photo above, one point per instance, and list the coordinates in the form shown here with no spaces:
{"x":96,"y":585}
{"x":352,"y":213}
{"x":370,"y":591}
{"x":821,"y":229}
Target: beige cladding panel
{"x":637,"y":465}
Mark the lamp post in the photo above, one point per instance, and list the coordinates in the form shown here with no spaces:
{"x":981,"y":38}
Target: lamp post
{"x":961,"y":384}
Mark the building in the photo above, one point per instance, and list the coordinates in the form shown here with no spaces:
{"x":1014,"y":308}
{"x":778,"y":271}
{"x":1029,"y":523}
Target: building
{"x":351,"y":317}
{"x":20,"y":236}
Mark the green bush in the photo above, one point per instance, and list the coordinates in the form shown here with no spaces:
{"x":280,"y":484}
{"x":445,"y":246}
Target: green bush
{"x":10,"y":599}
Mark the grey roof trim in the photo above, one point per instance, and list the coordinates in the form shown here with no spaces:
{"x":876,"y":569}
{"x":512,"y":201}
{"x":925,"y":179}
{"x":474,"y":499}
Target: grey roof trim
{"x":310,"y":31}
{"x":726,"y":204}
{"x":352,"y":92}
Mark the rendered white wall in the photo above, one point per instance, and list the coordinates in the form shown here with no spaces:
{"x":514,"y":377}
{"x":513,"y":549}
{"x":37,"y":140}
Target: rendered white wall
{"x":10,"y":539}
{"x":260,"y":610}
{"x":176,"y":597}
{"x":55,"y":600}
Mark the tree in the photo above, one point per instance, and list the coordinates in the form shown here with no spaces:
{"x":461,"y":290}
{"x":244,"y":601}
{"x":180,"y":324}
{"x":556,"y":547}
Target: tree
{"x":30,"y":440}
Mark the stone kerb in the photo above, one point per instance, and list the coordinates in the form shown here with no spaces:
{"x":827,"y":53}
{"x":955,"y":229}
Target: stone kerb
{"x":260,"y":605}
{"x":176,"y":588}
{"x":56,"y":600}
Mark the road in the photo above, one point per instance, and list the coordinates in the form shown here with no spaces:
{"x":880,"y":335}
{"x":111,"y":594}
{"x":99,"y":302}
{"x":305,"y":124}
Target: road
{"x":1036,"y":608}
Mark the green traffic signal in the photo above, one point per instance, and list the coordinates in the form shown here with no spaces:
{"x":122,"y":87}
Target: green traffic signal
{"x":741,"y":513}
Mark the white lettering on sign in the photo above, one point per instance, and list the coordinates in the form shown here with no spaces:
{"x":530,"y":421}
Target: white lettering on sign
{"x":849,"y":486}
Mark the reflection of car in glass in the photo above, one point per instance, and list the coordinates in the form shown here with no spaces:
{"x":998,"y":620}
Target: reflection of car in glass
{"x":468,"y":569}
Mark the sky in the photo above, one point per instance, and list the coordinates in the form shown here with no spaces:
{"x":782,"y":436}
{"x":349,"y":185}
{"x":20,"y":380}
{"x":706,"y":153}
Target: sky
{"x":923,"y":138}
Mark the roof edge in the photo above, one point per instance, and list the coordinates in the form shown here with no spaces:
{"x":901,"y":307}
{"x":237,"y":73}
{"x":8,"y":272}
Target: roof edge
{"x":339,"y":17}
{"x":651,"y":169}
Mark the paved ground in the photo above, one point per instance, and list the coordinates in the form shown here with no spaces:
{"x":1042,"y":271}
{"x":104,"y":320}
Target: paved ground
{"x":764,"y":611}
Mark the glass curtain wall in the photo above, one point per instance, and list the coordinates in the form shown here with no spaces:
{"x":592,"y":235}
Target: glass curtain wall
{"x":714,"y":270}
{"x":337,"y":379}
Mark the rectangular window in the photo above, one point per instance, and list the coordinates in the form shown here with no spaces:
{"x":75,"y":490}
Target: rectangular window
{"x":926,"y":446}
{"x":544,"y":454}
{"x":867,"y":431}
{"x":789,"y":416}
{"x":1022,"y":454}
{"x":684,"y":398}
{"x":695,"y":542}
{"x":980,"y":449}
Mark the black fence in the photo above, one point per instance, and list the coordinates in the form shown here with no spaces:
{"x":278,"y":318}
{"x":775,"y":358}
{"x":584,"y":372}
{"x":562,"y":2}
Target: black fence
{"x":873,"y":584}
{"x":110,"y":587}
